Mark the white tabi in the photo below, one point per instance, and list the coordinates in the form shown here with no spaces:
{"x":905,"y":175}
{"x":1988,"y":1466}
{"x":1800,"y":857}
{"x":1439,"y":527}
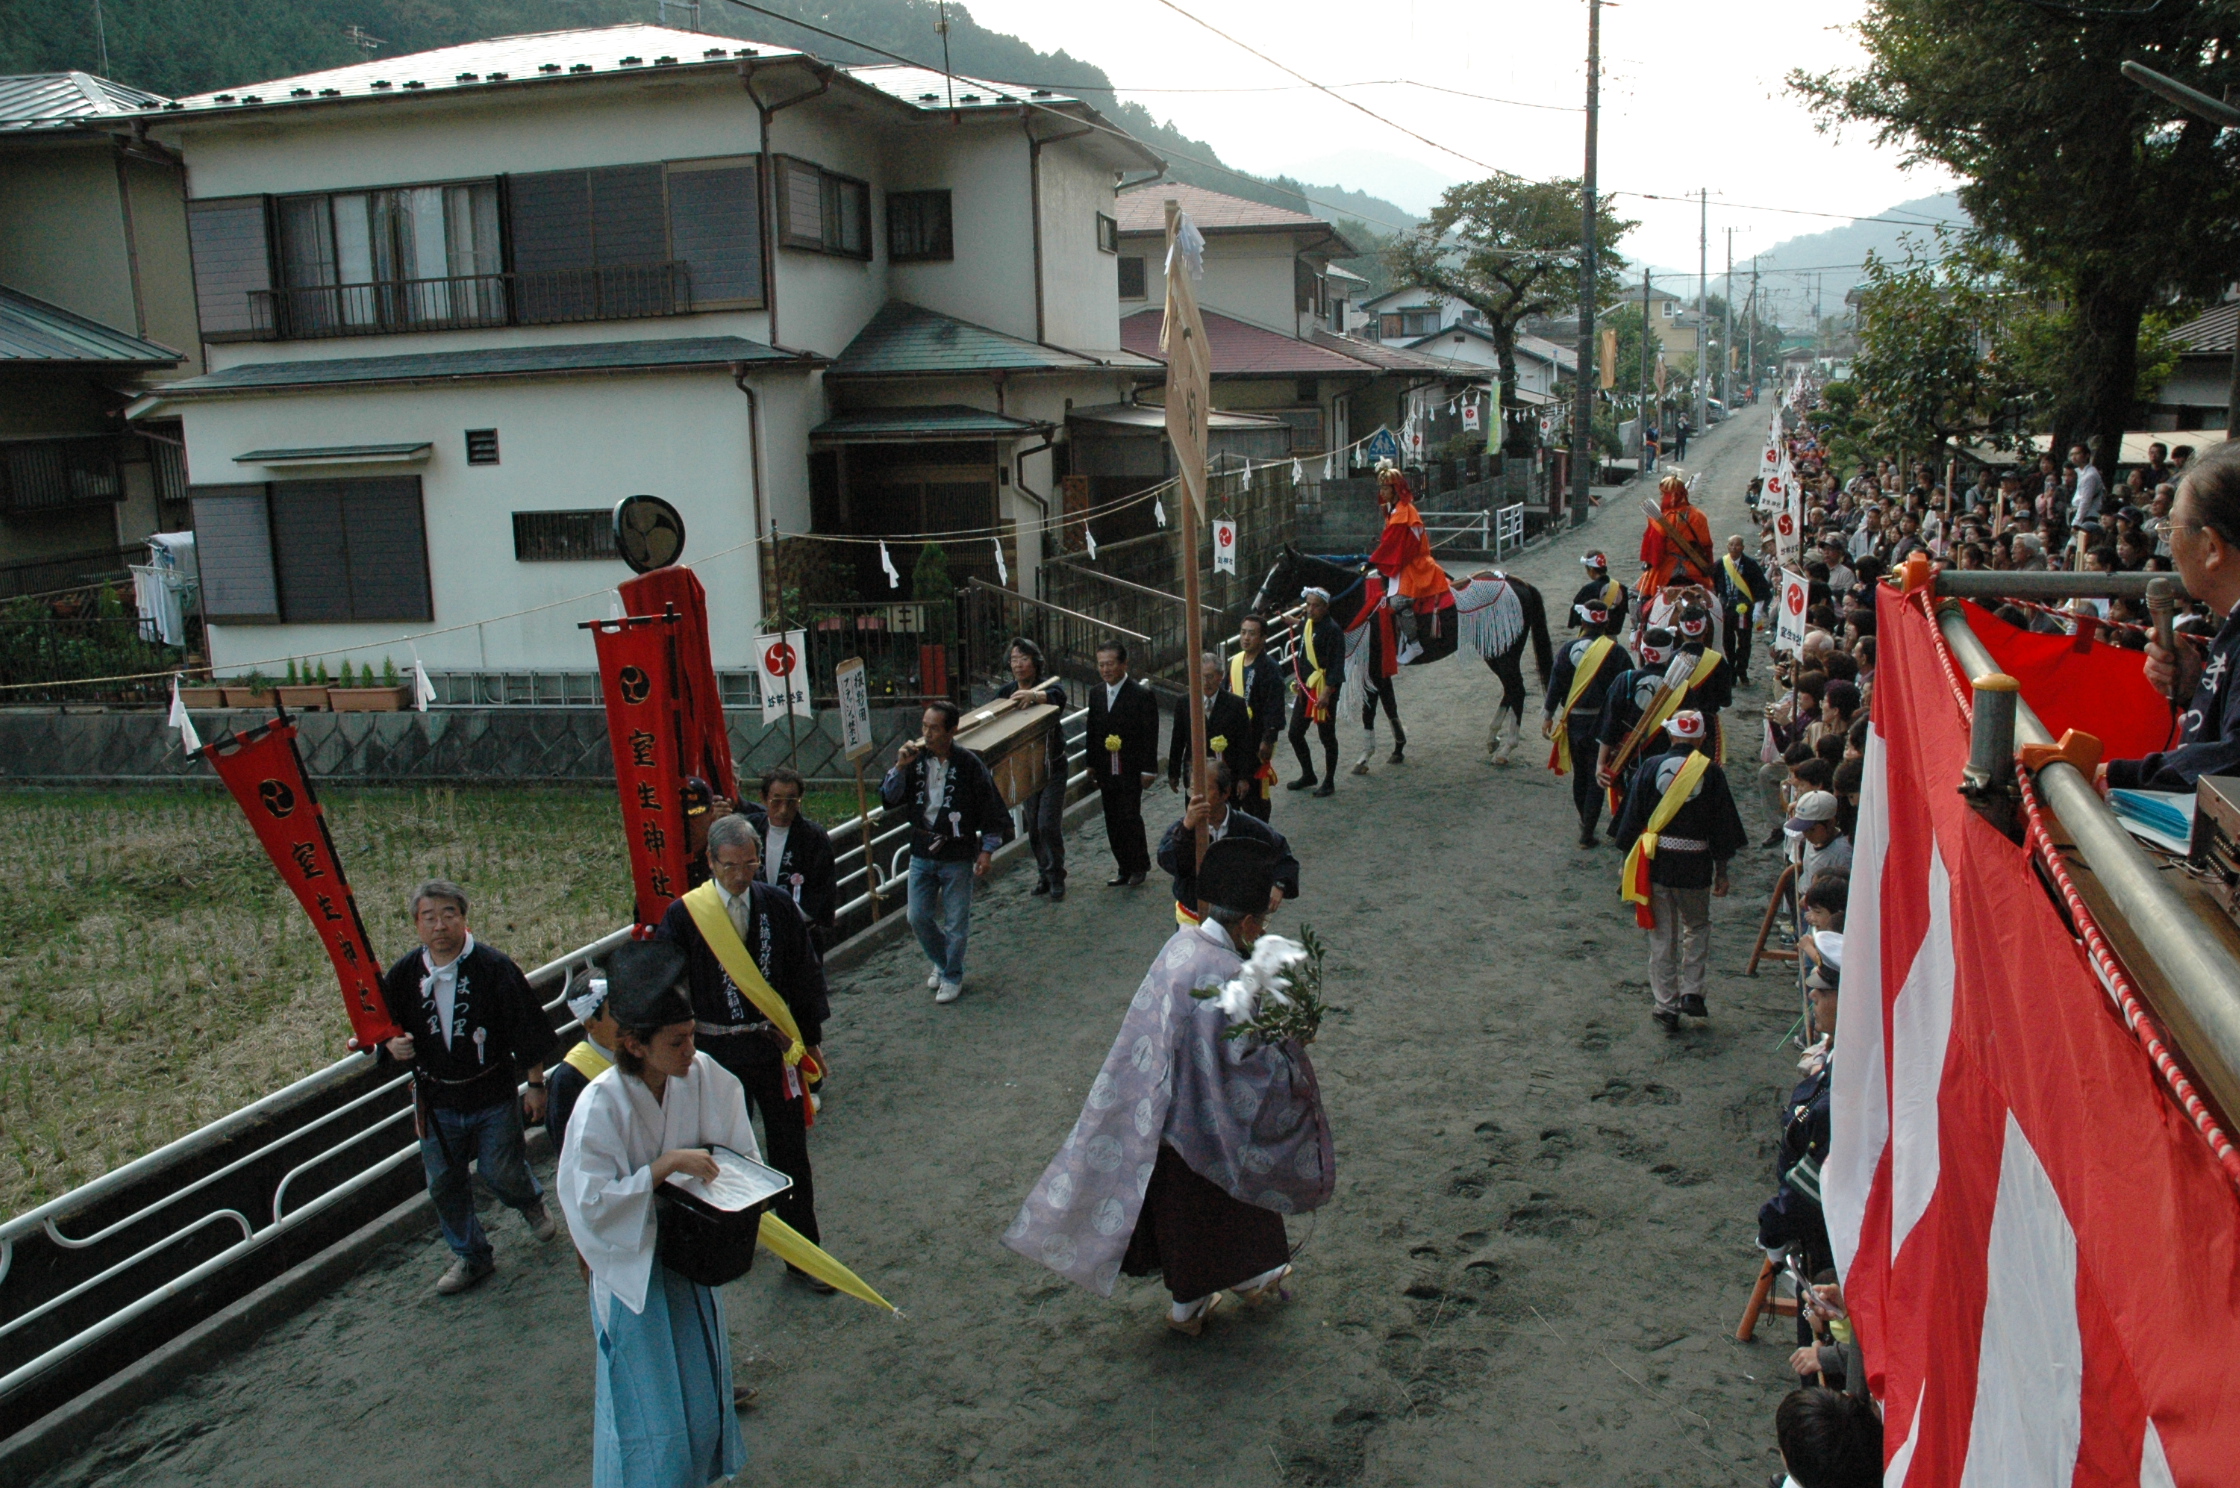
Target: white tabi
{"x":664,"y":1417}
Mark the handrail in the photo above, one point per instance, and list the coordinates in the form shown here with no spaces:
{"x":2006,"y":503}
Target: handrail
{"x":1009,"y":597}
{"x":2199,"y":971}
{"x":2052,"y":584}
{"x":205,"y":1137}
{"x":1159,"y":594}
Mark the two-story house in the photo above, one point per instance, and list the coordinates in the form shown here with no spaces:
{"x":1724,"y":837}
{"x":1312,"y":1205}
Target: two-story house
{"x":95,"y":304}
{"x":456,"y":304}
{"x":1274,"y":308}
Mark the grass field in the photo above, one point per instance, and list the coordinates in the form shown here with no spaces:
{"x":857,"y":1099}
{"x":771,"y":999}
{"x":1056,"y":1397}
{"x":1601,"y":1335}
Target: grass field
{"x":154,"y":975}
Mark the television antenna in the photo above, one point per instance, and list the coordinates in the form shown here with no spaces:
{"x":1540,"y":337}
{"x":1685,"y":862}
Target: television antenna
{"x":356,"y":35}
{"x":690,"y":9}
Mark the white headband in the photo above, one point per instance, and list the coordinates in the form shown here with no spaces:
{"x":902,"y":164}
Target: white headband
{"x":1311,"y":592}
{"x":590,"y":1000}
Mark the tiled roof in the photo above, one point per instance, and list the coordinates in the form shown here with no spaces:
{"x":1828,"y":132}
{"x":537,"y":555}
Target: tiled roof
{"x":934,"y":421}
{"x":33,"y":102}
{"x":1151,"y":417}
{"x":1241,"y":350}
{"x":905,"y":340}
{"x":1384,"y":358}
{"x":539,"y":57}
{"x":1143,"y":209}
{"x":33,"y":331}
{"x":2211,"y":331}
{"x":923,"y":88}
{"x":506,"y":361}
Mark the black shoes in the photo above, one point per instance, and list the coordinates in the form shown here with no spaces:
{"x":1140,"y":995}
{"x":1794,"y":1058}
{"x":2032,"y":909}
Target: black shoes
{"x":1304,"y":782}
{"x":821,"y":1288}
{"x":1669,"y":1022}
{"x":1057,"y":893}
{"x":1588,"y":839}
{"x":1124,"y":880}
{"x":1041,"y":888}
{"x":1773,"y":838}
{"x":1694,"y":1006}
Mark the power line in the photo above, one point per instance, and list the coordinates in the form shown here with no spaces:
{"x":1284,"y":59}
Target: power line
{"x":1082,"y":87}
{"x":1349,"y":103}
{"x":1799,"y":211}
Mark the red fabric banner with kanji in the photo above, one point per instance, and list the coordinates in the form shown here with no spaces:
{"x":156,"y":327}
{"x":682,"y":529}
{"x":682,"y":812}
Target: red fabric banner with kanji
{"x":707,"y":737}
{"x":2039,"y":1249}
{"x":646,"y":725}
{"x":265,"y":774}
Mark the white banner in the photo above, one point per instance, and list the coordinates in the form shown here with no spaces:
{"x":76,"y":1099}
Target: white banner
{"x":1796,"y":592}
{"x":855,"y":709}
{"x":1224,"y":545}
{"x":784,"y":664}
{"x":1470,"y":418}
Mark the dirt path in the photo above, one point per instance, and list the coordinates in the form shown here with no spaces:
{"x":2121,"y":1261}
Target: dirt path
{"x":1540,"y":1241}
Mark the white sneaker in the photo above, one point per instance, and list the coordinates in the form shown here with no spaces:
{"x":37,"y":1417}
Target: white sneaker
{"x":933,"y":979}
{"x":948,"y":991}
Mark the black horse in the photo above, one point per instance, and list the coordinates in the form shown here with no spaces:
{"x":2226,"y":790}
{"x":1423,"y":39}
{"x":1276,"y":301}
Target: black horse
{"x":1494,"y":615}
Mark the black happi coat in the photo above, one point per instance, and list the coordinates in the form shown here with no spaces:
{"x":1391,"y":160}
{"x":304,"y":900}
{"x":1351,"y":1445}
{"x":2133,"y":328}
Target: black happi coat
{"x":1708,"y":817}
{"x":1568,"y":661}
{"x":778,"y":939}
{"x":805,"y":872}
{"x":2210,"y":729}
{"x":1178,"y":846}
{"x":497,"y":1028}
{"x":975,"y":818}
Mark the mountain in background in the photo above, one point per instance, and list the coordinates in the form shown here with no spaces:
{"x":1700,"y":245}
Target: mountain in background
{"x":1415,"y":187}
{"x":1797,"y":275}
{"x":179,"y":47}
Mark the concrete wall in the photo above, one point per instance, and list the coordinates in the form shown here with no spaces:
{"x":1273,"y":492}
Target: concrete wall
{"x":456,"y":745}
{"x":566,"y":443}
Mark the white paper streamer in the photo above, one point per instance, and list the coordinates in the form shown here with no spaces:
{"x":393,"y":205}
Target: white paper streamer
{"x":189,"y":740}
{"x":1003,"y":570}
{"x":894,"y":580}
{"x":1159,"y":510}
{"x":423,"y":691}
{"x":1092,"y":538}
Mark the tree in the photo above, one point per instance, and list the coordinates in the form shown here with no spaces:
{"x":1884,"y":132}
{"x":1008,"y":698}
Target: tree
{"x":1508,"y":248}
{"x":2119,"y":200}
{"x":1931,"y":329}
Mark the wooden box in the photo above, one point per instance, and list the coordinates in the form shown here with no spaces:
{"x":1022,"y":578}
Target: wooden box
{"x":202,"y":697}
{"x":370,"y":699}
{"x":1013,"y":744}
{"x":248,"y":697}
{"x":303,"y":698}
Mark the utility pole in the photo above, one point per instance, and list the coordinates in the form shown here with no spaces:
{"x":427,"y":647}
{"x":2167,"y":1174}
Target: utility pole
{"x":1582,"y":411}
{"x":1703,"y":308}
{"x":1648,"y":337}
{"x":1750,"y":373}
{"x":1726,"y":337}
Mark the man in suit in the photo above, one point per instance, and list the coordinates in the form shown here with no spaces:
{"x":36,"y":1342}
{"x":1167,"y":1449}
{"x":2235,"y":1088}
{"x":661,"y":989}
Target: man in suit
{"x":1318,"y":671}
{"x":1229,"y":732}
{"x":1123,"y":748}
{"x":1257,"y":677}
{"x":796,"y":853}
{"x":1743,"y":585}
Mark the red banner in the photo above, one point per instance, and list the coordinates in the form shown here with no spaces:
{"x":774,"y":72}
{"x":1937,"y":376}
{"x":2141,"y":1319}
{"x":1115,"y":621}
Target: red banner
{"x":638,"y":676}
{"x":707,"y":737}
{"x":2039,"y":1249}
{"x":265,"y":774}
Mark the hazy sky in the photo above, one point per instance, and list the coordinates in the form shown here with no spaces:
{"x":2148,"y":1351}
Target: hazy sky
{"x":1692,"y":96}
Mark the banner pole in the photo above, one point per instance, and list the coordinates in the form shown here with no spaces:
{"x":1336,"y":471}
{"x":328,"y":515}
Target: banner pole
{"x":863,"y":836}
{"x":1193,"y":471}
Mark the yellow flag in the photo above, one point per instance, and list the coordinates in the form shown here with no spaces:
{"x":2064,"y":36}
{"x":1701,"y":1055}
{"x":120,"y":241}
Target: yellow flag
{"x":795,"y":1249}
{"x":1608,"y":372}
{"x":1182,"y":338}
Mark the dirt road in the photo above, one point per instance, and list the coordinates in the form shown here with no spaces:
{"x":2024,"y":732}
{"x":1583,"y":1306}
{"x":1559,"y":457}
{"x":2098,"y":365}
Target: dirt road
{"x":1539,"y":1244}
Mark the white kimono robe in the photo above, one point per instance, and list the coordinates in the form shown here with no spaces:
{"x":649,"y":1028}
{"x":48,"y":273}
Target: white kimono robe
{"x":663,"y":1417}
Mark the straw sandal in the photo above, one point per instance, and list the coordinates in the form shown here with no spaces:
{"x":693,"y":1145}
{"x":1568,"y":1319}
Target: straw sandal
{"x":1195,"y":1324}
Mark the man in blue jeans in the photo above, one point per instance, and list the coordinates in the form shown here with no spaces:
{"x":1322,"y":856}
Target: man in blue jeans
{"x":957,"y":821}
{"x":472,"y":1028}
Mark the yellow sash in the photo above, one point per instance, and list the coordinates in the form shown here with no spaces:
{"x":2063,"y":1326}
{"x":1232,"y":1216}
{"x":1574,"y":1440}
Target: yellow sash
{"x":1236,"y":682}
{"x":705,"y":904}
{"x":1734,"y":577}
{"x":1581,"y":679}
{"x":1613,"y":594}
{"x":586,"y":1060}
{"x":1314,"y":678}
{"x":1633,"y":886}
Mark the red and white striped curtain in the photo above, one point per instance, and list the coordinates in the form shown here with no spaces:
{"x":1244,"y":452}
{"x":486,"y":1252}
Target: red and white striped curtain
{"x":2041,"y":1252}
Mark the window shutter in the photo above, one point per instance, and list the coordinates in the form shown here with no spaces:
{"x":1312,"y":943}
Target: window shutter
{"x":232,"y":258}
{"x":629,"y":223}
{"x":233,"y":549}
{"x":308,"y":540}
{"x":387,"y":546}
{"x":1131,"y":279}
{"x":715,"y":226}
{"x":549,"y":230}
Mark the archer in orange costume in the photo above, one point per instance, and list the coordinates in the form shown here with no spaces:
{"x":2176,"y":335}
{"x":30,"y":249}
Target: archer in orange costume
{"x":1677,"y":527}
{"x":1403,"y":553}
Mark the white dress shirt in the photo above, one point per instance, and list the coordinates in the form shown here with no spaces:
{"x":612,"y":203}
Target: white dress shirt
{"x":937,"y":778}
{"x":442,"y":983}
{"x":774,"y":852}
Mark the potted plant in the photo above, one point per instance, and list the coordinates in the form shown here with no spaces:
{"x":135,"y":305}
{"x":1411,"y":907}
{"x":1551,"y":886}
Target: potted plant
{"x":249,"y":690}
{"x":301,"y":692}
{"x":369,"y":694}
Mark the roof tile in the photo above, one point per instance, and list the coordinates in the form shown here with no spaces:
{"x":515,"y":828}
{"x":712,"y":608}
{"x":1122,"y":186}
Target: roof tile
{"x":33,"y":331}
{"x":1142,"y":209}
{"x":906,"y":340}
{"x":507,"y":361}
{"x":1242,"y":350}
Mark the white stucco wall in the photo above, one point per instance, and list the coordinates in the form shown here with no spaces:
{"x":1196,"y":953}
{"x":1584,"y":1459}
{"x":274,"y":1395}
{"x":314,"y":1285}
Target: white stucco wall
{"x":564,"y":444}
{"x":983,"y":166}
{"x":1248,"y":275}
{"x":824,"y":300}
{"x":1081,"y":307}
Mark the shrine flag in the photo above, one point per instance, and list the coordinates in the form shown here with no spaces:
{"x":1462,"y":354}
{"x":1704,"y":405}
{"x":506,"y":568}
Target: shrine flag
{"x":646,"y":727}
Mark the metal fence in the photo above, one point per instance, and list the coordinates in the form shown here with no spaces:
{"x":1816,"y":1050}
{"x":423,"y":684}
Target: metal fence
{"x":542,"y":297}
{"x":38,"y":649}
{"x":87,"y":570}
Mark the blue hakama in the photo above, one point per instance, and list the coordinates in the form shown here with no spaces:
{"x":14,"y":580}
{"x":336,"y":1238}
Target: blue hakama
{"x":663,"y":1417}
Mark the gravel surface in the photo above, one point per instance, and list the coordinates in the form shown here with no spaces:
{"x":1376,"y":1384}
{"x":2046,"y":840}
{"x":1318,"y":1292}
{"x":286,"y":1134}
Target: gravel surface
{"x":1529,"y":1274}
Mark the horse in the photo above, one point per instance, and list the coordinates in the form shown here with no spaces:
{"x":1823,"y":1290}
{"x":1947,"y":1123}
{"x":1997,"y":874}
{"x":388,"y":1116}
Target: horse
{"x":1494,"y":614}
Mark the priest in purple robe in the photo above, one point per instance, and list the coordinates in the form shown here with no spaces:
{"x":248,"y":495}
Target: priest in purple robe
{"x":1192,"y":1147}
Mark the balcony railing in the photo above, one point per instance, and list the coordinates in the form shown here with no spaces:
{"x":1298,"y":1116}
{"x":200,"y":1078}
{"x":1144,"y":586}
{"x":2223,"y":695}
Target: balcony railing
{"x":542,"y":297}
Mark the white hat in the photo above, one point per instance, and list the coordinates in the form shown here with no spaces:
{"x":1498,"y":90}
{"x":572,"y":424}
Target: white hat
{"x":1812,"y":808}
{"x":1829,"y":943}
